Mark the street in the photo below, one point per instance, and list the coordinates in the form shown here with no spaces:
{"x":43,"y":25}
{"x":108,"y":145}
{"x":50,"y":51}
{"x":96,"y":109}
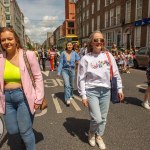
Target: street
{"x":65,"y":128}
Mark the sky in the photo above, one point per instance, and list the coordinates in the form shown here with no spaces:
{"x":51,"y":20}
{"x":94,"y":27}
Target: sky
{"x":41,"y":16}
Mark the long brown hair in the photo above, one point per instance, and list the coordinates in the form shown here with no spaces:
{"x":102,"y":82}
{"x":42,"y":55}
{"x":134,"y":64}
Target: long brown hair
{"x":90,"y":47}
{"x":10,"y":29}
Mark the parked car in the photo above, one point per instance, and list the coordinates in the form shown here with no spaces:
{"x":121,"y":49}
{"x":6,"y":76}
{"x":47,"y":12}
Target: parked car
{"x":141,"y":58}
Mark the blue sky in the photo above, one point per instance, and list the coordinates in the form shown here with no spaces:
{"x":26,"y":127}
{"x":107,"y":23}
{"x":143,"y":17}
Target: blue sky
{"x":42,"y":16}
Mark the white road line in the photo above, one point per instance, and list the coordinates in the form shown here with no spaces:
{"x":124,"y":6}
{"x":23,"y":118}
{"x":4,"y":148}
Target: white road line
{"x":142,"y":86}
{"x":75,"y":105}
{"x":77,"y":97}
{"x":45,"y":73}
{"x":57,"y":106}
{"x":43,"y":112}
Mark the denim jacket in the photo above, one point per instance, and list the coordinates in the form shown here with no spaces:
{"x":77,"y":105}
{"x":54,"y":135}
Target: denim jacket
{"x":63,"y":61}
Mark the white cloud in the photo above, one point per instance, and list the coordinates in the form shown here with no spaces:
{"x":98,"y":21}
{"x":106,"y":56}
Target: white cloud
{"x":41,"y":16}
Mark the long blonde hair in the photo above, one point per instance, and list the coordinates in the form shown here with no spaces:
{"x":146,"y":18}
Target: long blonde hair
{"x":90,"y":47}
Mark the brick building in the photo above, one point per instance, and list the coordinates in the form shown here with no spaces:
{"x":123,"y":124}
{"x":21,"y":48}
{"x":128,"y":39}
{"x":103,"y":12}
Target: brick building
{"x":124,"y":22}
{"x":69,"y":23}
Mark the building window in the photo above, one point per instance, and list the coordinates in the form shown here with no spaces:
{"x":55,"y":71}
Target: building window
{"x":112,"y":23}
{"x":6,"y":1}
{"x":138,"y":9}
{"x":87,"y":2}
{"x":87,"y":14}
{"x":7,"y":17}
{"x":83,"y":16}
{"x":128,"y":11}
{"x":83,"y":31}
{"x":98,"y":22}
{"x":98,"y":5}
{"x":87,"y":29}
{"x":111,"y":1}
{"x":149,"y":9}
{"x":148,"y":36}
{"x":92,"y":8}
{"x":92,"y":24}
{"x":109,"y":38}
{"x":71,"y":24}
{"x":106,"y":2}
{"x":106,"y":19}
{"x":118,"y":15}
{"x":138,"y":36}
{"x":7,"y":9}
{"x":83,"y":3}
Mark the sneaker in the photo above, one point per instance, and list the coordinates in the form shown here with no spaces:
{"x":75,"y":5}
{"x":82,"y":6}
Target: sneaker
{"x":146,"y":105}
{"x":100,"y":143}
{"x":71,"y":98}
{"x":68,"y":102}
{"x":91,"y":139}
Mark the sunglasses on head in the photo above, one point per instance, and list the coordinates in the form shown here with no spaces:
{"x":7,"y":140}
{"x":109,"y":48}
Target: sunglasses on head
{"x":98,"y":40}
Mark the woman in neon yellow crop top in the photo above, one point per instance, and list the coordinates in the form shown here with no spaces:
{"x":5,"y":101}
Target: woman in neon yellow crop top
{"x":21,"y":98}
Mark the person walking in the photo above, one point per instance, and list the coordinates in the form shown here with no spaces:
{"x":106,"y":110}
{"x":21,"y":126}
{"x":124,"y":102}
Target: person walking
{"x":43,"y":57}
{"x":19,"y":100}
{"x":94,"y":86}
{"x":83,"y":50}
{"x":67,"y":64}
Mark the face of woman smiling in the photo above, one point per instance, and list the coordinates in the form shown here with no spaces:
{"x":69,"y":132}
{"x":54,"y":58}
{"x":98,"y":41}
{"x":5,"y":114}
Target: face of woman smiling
{"x":8,"y":41}
{"x":69,"y":46}
{"x":97,"y":42}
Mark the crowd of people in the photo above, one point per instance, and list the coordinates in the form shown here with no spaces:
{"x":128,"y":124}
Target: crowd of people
{"x":19,"y":99}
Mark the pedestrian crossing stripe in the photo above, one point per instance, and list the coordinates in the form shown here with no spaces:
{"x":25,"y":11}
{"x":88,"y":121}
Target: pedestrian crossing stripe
{"x":73,"y":103}
{"x":56,"y":103}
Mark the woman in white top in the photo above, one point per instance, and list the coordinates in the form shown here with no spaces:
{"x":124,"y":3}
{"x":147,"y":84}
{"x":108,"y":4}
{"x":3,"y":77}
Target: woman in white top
{"x":94,"y":86}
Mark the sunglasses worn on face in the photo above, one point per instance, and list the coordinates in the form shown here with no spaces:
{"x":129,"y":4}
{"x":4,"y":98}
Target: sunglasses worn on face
{"x":98,"y":40}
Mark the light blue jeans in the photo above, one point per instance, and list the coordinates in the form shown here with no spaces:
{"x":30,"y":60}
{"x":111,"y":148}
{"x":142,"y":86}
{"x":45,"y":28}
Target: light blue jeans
{"x":99,"y":100}
{"x":18,"y":119}
{"x":68,"y":75}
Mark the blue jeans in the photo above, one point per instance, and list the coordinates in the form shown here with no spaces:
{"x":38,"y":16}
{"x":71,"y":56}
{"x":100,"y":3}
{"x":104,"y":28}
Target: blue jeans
{"x":99,"y":100}
{"x":68,"y":75}
{"x":18,"y":118}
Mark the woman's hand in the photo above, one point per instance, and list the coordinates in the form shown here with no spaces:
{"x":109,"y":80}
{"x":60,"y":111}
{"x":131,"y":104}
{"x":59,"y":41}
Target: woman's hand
{"x":36,"y":106}
{"x":85,"y":102}
{"x":121,"y":96}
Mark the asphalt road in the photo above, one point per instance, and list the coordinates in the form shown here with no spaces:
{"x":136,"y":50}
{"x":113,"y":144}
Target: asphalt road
{"x":65,"y":128}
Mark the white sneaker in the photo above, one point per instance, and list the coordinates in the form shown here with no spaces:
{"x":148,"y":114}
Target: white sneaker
{"x":71,"y":98}
{"x":146,"y":105}
{"x":68,"y":102}
{"x":91,"y":139}
{"x":100,"y":143}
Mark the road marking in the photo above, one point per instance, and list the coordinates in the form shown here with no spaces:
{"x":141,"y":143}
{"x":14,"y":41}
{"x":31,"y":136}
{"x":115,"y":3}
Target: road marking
{"x":45,"y":73}
{"x":43,"y":112}
{"x":77,"y":97}
{"x":75,"y":105}
{"x":142,"y":86}
{"x":57,"y":106}
{"x":60,"y":82}
{"x":50,"y":83}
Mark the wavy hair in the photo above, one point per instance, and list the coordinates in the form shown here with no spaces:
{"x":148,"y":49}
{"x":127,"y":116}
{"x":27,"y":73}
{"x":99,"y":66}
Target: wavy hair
{"x":90,"y":47}
{"x":10,"y":29}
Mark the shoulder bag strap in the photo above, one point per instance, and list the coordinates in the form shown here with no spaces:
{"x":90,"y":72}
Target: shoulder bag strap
{"x":110,"y":62}
{"x":28,"y":67}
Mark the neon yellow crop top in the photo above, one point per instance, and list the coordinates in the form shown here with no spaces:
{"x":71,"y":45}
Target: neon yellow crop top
{"x":11,"y":73}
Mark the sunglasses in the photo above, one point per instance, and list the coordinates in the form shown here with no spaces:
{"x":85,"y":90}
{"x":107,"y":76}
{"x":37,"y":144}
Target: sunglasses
{"x":98,"y":40}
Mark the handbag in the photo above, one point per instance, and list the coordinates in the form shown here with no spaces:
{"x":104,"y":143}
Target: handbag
{"x":45,"y":101}
{"x":113,"y":82}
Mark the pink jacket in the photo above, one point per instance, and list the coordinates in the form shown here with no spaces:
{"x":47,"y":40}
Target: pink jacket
{"x":33,"y":95}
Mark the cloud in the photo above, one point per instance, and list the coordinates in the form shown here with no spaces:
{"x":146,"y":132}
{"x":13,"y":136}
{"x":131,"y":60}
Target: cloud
{"x":41,"y":16}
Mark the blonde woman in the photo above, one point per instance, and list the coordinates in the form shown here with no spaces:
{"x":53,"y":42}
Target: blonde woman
{"x":94,"y":86}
